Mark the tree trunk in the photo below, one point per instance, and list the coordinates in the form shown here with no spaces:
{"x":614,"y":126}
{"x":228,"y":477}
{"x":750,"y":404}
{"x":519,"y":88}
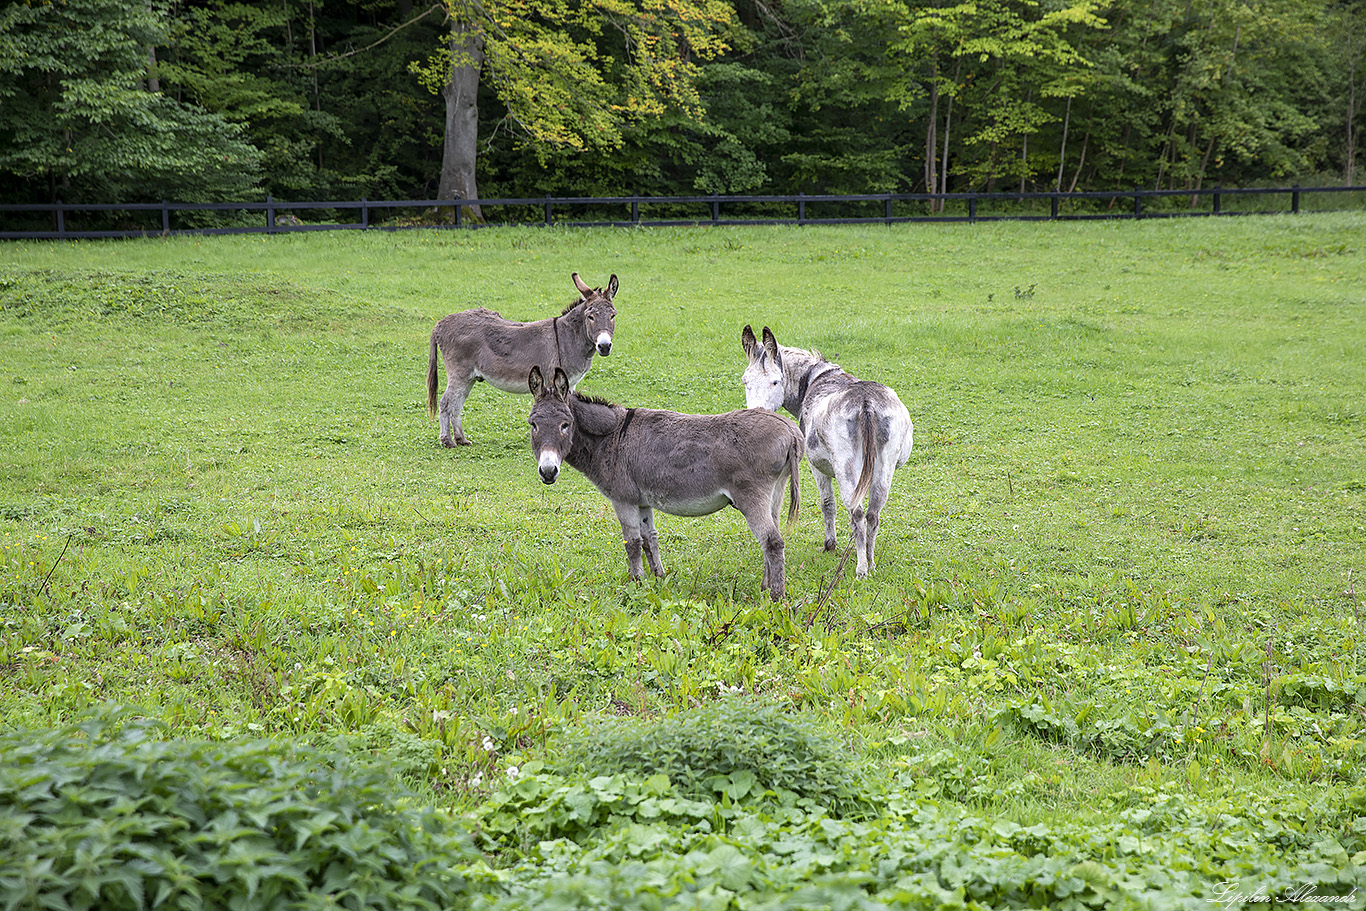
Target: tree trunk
{"x":461,"y":148}
{"x":932,"y":122}
{"x":313,"y":57}
{"x":948,"y":124}
{"x":1351,"y":156}
{"x":1167,"y":151}
{"x":153,"y":83}
{"x":1062,"y":150}
{"x":1081,"y":162}
{"x":1200,"y":178}
{"x":1190,"y":150}
{"x":944,"y":160}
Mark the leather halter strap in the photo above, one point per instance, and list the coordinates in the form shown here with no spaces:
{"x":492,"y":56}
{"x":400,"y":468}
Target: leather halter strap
{"x":801,"y":387}
{"x":805,"y":385}
{"x":555,"y":327}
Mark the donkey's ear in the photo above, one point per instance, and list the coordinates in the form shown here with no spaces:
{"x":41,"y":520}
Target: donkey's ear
{"x":771,"y":345}
{"x":535,"y":382}
{"x":749,"y":342}
{"x":561,"y":383}
{"x":579,"y":283}
{"x":612,"y":287}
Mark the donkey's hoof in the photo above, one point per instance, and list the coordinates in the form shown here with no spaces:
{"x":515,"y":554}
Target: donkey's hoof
{"x":829,"y":544}
{"x":447,"y":442}
{"x":464,"y":441}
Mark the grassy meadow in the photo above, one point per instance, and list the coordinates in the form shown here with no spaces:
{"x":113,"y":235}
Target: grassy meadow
{"x":1119,"y":588}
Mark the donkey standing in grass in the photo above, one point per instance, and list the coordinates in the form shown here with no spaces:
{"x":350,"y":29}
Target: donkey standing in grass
{"x":481,"y":345}
{"x":856,"y":431}
{"x":684,"y":464}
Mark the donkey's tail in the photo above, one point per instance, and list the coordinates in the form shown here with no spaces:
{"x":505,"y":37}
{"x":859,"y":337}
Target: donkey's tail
{"x":431,"y":377}
{"x":794,"y":486}
{"x":869,"y":456}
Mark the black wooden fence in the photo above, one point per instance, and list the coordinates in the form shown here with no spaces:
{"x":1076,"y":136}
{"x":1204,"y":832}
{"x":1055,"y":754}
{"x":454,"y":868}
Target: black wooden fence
{"x":70,"y":220}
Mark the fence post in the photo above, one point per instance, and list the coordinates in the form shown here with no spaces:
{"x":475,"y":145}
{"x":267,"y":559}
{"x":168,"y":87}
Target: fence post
{"x":1295,"y":199}
{"x":1138,"y":202}
{"x":270,"y":214}
{"x":1054,"y":206}
{"x":801,"y":208}
{"x":364,"y":213}
{"x":1217,"y":206}
{"x":888,"y":216}
{"x":459,"y":218}
{"x":635,"y":211}
{"x":61,"y":218}
{"x":548,"y":217}
{"x":165,"y":217}
{"x":715,"y":209}
{"x":972,"y":208}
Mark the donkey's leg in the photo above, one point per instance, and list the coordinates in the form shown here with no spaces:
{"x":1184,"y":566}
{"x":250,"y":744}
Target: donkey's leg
{"x":877,"y":498}
{"x":858,"y":527}
{"x":756,"y":512}
{"x":459,"y":382}
{"x":824,"y":485}
{"x":650,"y":540}
{"x":629,"y":516}
{"x":776,"y":501}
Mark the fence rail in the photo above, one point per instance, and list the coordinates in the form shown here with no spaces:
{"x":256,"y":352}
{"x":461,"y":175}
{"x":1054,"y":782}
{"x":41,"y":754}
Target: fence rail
{"x":74,"y":220}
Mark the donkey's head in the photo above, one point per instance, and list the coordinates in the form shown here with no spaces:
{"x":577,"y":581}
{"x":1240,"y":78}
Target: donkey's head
{"x":765,"y":384}
{"x":552,"y":422}
{"x":599,"y":315}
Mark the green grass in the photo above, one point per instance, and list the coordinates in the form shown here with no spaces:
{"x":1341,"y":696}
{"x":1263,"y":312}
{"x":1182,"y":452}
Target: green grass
{"x":1127,"y":552}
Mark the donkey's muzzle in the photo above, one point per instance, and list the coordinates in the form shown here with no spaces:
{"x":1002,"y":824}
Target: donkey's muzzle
{"x":549,"y":469}
{"x":604,"y":344}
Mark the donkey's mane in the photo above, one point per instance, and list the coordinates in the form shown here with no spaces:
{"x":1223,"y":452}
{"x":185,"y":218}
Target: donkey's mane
{"x":813,"y":354}
{"x":571,"y":306}
{"x":810,"y":360}
{"x":593,"y":400}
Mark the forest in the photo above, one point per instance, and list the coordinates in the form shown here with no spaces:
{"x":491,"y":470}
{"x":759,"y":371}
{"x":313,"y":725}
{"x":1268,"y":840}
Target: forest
{"x":213,"y":100}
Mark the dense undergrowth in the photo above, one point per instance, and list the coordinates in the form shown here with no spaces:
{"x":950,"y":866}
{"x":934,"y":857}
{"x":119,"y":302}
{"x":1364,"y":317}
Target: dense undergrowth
{"x":110,"y":814}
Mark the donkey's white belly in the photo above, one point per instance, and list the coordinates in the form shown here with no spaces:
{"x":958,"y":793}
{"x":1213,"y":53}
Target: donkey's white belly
{"x":691,"y":506}
{"x":506,"y":384}
{"x":513,"y":384}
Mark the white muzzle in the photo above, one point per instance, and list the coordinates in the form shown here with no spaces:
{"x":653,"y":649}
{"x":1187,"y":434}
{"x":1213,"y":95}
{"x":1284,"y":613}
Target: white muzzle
{"x":549,"y":466}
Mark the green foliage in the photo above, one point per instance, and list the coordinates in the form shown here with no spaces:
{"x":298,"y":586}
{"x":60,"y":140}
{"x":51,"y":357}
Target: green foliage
{"x":235,"y":60}
{"x":115,"y":100}
{"x":576,"y":77}
{"x":107,"y":813}
{"x":628,"y":844}
{"x":734,"y":746}
{"x":80,"y":120}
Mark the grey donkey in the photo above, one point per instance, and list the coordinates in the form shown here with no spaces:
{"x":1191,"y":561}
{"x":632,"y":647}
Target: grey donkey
{"x":481,"y":345}
{"x":642,"y":459}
